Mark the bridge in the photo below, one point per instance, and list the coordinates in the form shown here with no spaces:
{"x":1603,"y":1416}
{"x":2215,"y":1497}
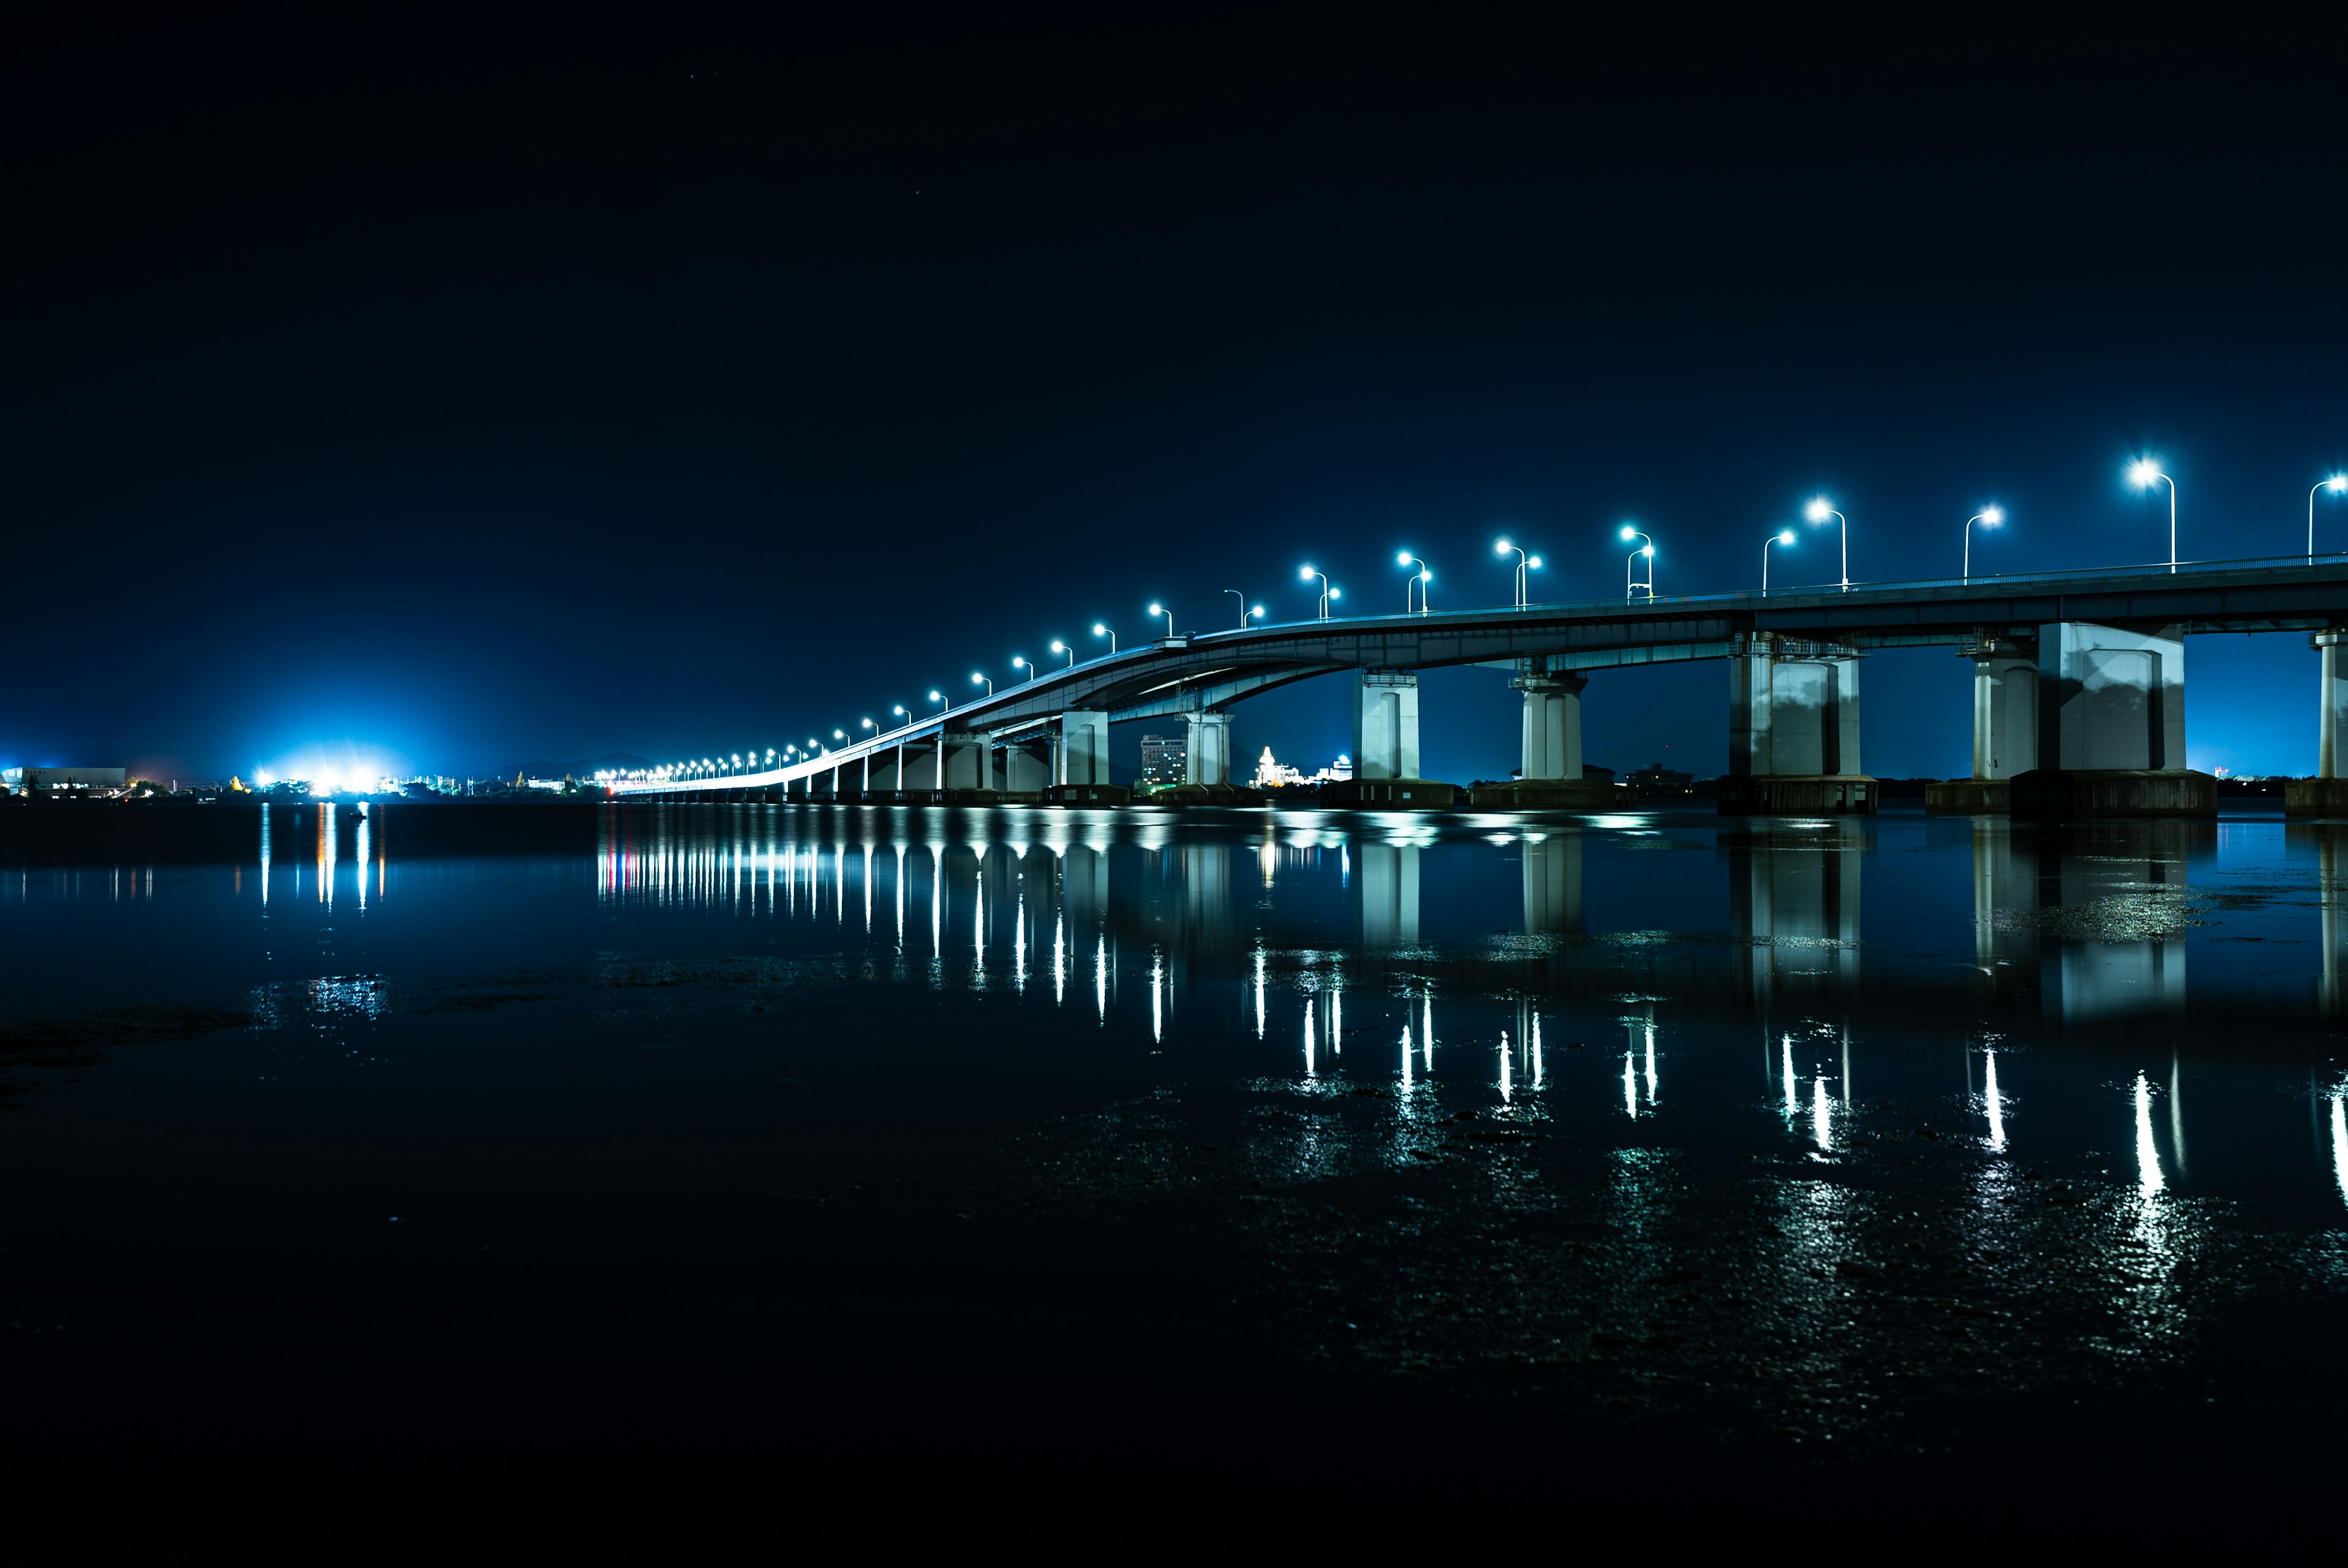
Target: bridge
{"x":2078,"y":696}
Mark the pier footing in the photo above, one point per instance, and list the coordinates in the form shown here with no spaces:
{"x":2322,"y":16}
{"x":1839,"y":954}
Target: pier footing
{"x":1797,"y":795}
{"x":2047,"y":793}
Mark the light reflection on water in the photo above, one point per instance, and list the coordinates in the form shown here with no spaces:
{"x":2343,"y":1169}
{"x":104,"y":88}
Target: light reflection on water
{"x":1900,"y":956}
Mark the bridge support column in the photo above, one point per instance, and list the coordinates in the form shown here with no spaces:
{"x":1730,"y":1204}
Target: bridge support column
{"x":1208,"y":758}
{"x":2111,"y":726}
{"x":1027,"y":768}
{"x":1793,"y":731}
{"x":962,"y":770}
{"x":1550,"y":777}
{"x":1386,"y":748}
{"x":2325,"y":794}
{"x":1080,"y":766}
{"x":2005,"y":728}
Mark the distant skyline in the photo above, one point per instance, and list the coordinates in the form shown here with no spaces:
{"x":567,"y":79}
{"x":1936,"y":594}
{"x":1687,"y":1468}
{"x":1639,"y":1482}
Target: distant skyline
{"x":655,"y":393}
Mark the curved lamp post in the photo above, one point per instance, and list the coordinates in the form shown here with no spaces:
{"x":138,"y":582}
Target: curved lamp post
{"x":1502,"y":548}
{"x":1629,"y":583}
{"x":1060,"y":647}
{"x":1100,"y":629}
{"x":1819,"y":511}
{"x":2337,"y":483}
{"x":1019,"y":662}
{"x":2144,"y":474}
{"x":1784,"y":537}
{"x":978,"y":675}
{"x":1161,"y":609}
{"x":1426,"y":575}
{"x":1321,"y":605}
{"x":940,"y":698}
{"x":1988,"y":518}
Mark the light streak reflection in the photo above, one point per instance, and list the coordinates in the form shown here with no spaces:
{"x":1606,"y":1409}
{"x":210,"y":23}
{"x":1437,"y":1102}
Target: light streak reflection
{"x":1995,"y":1102}
{"x":2149,"y":1178}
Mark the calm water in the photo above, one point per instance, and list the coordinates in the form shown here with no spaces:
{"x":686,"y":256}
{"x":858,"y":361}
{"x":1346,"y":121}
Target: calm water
{"x":1290,"y":1149}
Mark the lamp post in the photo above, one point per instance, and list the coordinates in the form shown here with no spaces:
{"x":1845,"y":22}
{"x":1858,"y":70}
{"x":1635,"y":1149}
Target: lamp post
{"x":1988,"y":518}
{"x":1504,"y":548}
{"x":1426,"y":575}
{"x":1161,"y":609}
{"x":1060,"y":647}
{"x":1019,"y":662}
{"x":2144,"y":474}
{"x":868,"y":724}
{"x":1630,"y":533}
{"x":2337,"y":483}
{"x":939,"y":698}
{"x":1819,"y":511}
{"x":1319,"y":605}
{"x":1100,"y":629}
{"x":978,"y":675}
{"x":1784,"y":537}
{"x":1235,"y":593}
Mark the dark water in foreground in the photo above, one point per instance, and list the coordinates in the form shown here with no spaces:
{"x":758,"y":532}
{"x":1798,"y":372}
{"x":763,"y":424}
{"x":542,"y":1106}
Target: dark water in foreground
{"x":1963,"y":1173}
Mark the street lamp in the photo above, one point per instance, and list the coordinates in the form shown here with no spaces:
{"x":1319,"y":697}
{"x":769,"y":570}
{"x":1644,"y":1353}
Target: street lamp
{"x":1426,"y":575}
{"x":1988,"y":518}
{"x":2144,"y":474}
{"x":1523,"y":561}
{"x":1786,"y":538}
{"x":1321,"y":605}
{"x":1161,"y":609}
{"x":1630,"y":533}
{"x":868,"y":724}
{"x":1019,"y":662}
{"x":1060,"y":647}
{"x":939,"y":698}
{"x":1100,"y":629}
{"x":2337,"y":483}
{"x":978,"y":675}
{"x":1819,"y":511}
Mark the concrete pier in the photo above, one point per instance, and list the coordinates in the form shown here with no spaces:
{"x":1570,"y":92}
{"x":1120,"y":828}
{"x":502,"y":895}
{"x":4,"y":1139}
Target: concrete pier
{"x":1548,"y":777}
{"x":2005,"y":728}
{"x":2111,"y":727}
{"x":1385,"y":748}
{"x":1793,"y":731}
{"x":2325,"y":794}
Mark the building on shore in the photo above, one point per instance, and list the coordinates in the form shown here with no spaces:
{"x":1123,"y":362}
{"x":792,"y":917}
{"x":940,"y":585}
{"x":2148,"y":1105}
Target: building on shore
{"x":65,"y":781}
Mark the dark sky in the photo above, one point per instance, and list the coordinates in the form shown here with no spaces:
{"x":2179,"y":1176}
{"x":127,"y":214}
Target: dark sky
{"x":447,"y":396}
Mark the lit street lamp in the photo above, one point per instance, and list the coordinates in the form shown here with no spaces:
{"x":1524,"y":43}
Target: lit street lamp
{"x":2337,"y":483}
{"x":1321,"y":605}
{"x":1630,"y":533}
{"x":1100,"y":629}
{"x":1525,"y":564}
{"x":939,"y":698}
{"x":1019,"y":662}
{"x":2143,"y":476}
{"x":1161,"y":609}
{"x":1426,"y":575}
{"x":1786,"y":538}
{"x":1988,"y":518}
{"x":1244,"y":610}
{"x":1819,"y":511}
{"x":978,"y":675}
{"x":1060,"y":647}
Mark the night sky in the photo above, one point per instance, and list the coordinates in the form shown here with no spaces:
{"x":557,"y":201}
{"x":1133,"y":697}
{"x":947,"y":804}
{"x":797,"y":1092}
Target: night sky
{"x":444,"y":399}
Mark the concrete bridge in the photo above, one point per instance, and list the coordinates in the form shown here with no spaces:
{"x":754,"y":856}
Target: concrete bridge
{"x":2078,"y":696}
